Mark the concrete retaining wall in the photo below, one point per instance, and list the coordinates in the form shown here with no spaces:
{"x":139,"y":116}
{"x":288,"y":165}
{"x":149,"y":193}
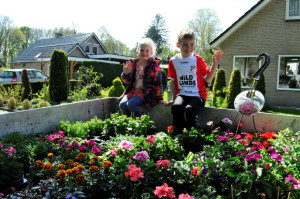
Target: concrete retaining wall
{"x":44,"y":120}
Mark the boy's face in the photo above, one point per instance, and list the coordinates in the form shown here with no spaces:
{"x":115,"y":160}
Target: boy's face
{"x":187,"y":47}
{"x":145,"y":52}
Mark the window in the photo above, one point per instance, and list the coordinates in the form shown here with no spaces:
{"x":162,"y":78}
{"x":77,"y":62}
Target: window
{"x":293,"y":9}
{"x":289,"y":72}
{"x":87,"y":49}
{"x":247,"y":66}
{"x":95,"y":49}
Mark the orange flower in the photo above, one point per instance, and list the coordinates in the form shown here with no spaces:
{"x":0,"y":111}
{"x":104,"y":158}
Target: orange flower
{"x":95,"y":157}
{"x":107,"y":164}
{"x":69,"y":171}
{"x":48,"y":166}
{"x":81,"y":155}
{"x":75,"y":164}
{"x":80,"y":167}
{"x":92,"y":161}
{"x":69,"y":161}
{"x":80,"y":178}
{"x":94,"y":169}
{"x":61,"y":174}
{"x":75,"y":170}
{"x":170,"y":128}
{"x":61,"y":166}
{"x":69,"y":149}
{"x":50,"y":155}
{"x":38,"y":163}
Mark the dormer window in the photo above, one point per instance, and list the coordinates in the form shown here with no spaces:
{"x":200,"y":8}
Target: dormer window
{"x":87,"y":49}
{"x":95,"y":50}
{"x":292,"y":9}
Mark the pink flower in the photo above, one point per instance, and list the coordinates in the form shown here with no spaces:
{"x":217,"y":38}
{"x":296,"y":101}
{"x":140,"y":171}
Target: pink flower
{"x":74,"y":144}
{"x":210,"y":123}
{"x":11,"y":151}
{"x":289,"y":178}
{"x":185,"y":196}
{"x":287,"y":149}
{"x":114,"y":152}
{"x":82,"y":148}
{"x":90,"y":143}
{"x":151,"y":139}
{"x":223,"y":139}
{"x":227,"y":121}
{"x":142,"y":156}
{"x":60,"y":132}
{"x":162,"y":163}
{"x":96,"y":149}
{"x":164,"y":191}
{"x":41,"y":138}
{"x":52,"y":137}
{"x":134,"y":173}
{"x":126,"y":145}
{"x":238,"y":153}
{"x":1,"y":145}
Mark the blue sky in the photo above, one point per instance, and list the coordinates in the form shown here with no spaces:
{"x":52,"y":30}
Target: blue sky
{"x":126,"y":20}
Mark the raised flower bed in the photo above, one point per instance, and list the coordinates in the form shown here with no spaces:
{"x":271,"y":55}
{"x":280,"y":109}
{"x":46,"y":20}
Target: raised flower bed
{"x":139,"y":162}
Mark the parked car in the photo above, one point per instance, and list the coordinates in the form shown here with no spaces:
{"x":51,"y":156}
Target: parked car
{"x":15,"y":75}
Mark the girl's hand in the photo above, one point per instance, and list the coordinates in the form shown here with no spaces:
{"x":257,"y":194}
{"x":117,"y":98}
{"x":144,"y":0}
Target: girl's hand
{"x":127,"y":67}
{"x":217,"y":57}
{"x":164,"y":102}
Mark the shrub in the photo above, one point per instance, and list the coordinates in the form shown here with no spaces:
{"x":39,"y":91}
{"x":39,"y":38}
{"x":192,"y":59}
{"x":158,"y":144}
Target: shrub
{"x":12,"y":103}
{"x":25,"y":84}
{"x":234,"y":88}
{"x":26,"y":104}
{"x":43,"y":104}
{"x":1,"y":101}
{"x":116,"y":89}
{"x":58,"y":79}
{"x":219,"y":88}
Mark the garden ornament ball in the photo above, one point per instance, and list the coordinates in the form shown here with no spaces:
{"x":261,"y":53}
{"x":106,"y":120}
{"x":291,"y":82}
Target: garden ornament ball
{"x":252,"y":101}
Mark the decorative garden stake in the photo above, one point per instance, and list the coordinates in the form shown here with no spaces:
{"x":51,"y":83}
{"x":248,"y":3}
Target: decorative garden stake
{"x":252,"y":101}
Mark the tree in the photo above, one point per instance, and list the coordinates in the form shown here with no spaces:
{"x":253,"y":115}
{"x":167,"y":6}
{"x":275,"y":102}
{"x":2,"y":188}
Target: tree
{"x":16,"y":41}
{"x":5,"y":29}
{"x":158,"y":32}
{"x":112,"y":45}
{"x":206,"y":27}
{"x":28,"y":36}
{"x":234,"y":88}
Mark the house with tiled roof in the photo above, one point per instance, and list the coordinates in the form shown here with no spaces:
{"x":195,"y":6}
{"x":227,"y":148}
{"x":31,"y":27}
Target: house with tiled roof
{"x":273,"y":27}
{"x":79,"y":47}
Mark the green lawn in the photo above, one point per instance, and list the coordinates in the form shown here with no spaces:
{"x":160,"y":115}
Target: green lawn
{"x":284,"y":111}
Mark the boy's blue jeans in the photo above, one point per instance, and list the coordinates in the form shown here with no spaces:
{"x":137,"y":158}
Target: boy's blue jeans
{"x":128,"y":106}
{"x":185,"y":110}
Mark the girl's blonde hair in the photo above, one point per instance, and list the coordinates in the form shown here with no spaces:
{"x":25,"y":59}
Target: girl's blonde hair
{"x":148,"y":42}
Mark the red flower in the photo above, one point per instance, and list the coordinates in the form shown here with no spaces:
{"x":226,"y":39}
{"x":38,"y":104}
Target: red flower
{"x":248,"y":136}
{"x":268,"y":135}
{"x":195,"y":170}
{"x":170,"y":128}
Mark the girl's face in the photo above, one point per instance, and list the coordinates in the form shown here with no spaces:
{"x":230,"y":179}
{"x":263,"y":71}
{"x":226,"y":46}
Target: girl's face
{"x":145,"y":52}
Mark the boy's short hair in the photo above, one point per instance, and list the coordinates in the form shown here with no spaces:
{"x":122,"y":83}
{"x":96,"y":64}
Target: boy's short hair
{"x":148,"y":42}
{"x":186,"y":33}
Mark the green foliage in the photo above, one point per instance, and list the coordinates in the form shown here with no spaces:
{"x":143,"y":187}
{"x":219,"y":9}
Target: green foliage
{"x":9,"y":90}
{"x":164,"y":78}
{"x":25,"y":84}
{"x":108,"y":71}
{"x":26,"y":104}
{"x":12,"y":103}
{"x":234,"y":88}
{"x":58,"y":79}
{"x":117,"y":88}
{"x":1,"y":101}
{"x":44,"y":94}
{"x":219,"y":88}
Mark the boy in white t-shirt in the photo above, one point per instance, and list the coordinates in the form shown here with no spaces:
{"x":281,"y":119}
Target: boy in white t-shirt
{"x":188,"y":73}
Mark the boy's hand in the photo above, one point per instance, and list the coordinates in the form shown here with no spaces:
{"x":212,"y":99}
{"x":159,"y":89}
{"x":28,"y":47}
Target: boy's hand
{"x":170,"y":103}
{"x":217,"y":57}
{"x":127,"y":67}
{"x":164,"y":102}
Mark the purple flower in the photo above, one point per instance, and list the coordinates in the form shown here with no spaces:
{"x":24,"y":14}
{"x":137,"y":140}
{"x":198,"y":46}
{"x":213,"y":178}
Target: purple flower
{"x":227,"y":121}
{"x":223,"y":139}
{"x":82,"y":148}
{"x":253,"y":157}
{"x":276,"y":156}
{"x":142,"y":156}
{"x":204,"y":171}
{"x":195,"y":160}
